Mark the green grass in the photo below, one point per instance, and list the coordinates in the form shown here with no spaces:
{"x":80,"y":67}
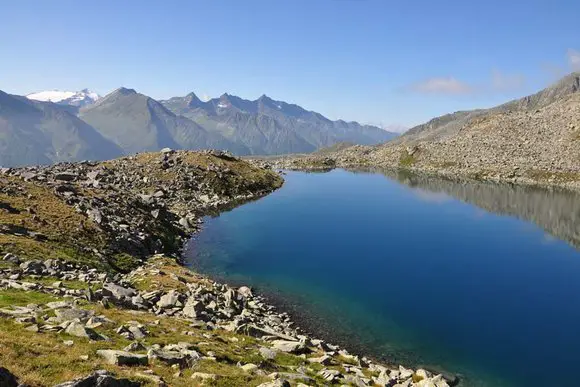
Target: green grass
{"x":14,"y":297}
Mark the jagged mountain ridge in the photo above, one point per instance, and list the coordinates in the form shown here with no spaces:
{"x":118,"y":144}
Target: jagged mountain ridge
{"x":267,"y":126}
{"x":136,"y":123}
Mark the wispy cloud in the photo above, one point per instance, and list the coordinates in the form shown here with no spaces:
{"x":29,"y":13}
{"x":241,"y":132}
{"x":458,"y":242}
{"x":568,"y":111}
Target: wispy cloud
{"x":442,"y":85}
{"x":573,"y":59}
{"x":205,"y":98}
{"x":498,"y":82}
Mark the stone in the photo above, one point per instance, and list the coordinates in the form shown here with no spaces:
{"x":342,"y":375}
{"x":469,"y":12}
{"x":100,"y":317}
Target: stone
{"x":184,"y":358}
{"x":193,"y":308}
{"x":287,"y":346}
{"x":123,"y":358}
{"x":268,"y":353}
{"x":405,"y":373}
{"x":204,"y":376}
{"x":134,"y":347}
{"x":65,"y":176}
{"x":425,"y":383}
{"x":249,"y":367}
{"x":11,"y":258}
{"x":169,"y":300}
{"x":245,"y":291}
{"x":167,"y":151}
{"x":292,"y":376}
{"x":99,"y":378}
{"x":137,"y":332}
{"x":79,"y":330}
{"x":33,"y":267}
{"x":68,"y":343}
{"x":58,"y":304}
{"x":7,"y":379}
{"x":276,"y":383}
{"x":69,"y":314}
{"x":324,"y":360}
{"x":118,"y":292}
{"x":329,"y":375}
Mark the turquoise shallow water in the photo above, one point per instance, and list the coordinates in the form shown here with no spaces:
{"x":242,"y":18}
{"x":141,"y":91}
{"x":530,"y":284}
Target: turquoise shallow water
{"x":474,"y":278}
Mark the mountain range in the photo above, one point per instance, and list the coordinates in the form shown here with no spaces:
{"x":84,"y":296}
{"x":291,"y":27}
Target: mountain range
{"x":267,"y":126}
{"x":54,"y":126}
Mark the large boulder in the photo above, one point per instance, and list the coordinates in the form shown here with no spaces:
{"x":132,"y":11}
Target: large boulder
{"x":99,"y":378}
{"x":118,"y":292}
{"x":123,"y":358}
{"x":33,"y":267}
{"x":69,"y":314}
{"x":79,"y":330}
{"x":7,"y":379}
{"x":288,"y":346}
{"x":185,"y":358}
{"x":193,"y":308}
{"x":169,"y":300}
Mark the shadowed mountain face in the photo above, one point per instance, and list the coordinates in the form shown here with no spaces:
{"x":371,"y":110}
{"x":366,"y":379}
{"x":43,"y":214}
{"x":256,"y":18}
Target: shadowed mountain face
{"x":555,"y":211}
{"x":266,"y":126}
{"x":138,"y":123}
{"x":34,"y":132}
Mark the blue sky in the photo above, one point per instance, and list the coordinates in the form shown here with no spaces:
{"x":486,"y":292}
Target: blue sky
{"x":375,"y":61}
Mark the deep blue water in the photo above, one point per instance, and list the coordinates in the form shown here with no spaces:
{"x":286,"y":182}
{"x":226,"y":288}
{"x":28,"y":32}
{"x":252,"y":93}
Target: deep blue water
{"x":403,"y":268}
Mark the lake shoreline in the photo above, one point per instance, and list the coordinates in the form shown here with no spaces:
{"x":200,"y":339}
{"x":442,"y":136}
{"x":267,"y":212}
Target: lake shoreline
{"x":310,"y":163}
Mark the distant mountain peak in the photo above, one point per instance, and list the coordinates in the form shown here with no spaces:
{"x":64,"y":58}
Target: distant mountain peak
{"x":72,"y":98}
{"x":124,"y":91}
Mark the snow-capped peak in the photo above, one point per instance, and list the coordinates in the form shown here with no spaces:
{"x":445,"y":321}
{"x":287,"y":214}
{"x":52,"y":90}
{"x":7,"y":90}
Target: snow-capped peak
{"x":73,"y":98}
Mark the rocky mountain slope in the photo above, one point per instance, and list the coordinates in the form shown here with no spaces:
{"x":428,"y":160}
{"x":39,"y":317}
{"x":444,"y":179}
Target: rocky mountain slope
{"x":267,"y":126}
{"x":33,"y":132}
{"x":533,"y":140}
{"x":84,"y":285}
{"x":451,"y":124}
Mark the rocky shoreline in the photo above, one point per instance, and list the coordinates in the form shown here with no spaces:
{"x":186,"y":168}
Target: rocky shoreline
{"x":90,"y":270}
{"x":313,"y":163}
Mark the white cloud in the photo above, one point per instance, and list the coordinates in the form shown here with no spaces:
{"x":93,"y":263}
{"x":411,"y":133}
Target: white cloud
{"x":498,"y":82}
{"x":573,"y":58}
{"x":506,"y":82}
{"x":205,"y":98}
{"x":442,"y":85}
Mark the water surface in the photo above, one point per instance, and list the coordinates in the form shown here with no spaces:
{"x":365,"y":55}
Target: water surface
{"x":479,"y":279}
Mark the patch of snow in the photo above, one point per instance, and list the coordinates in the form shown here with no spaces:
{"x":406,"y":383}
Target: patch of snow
{"x":222,"y":105}
{"x":74,"y":98}
{"x":279,"y":107}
